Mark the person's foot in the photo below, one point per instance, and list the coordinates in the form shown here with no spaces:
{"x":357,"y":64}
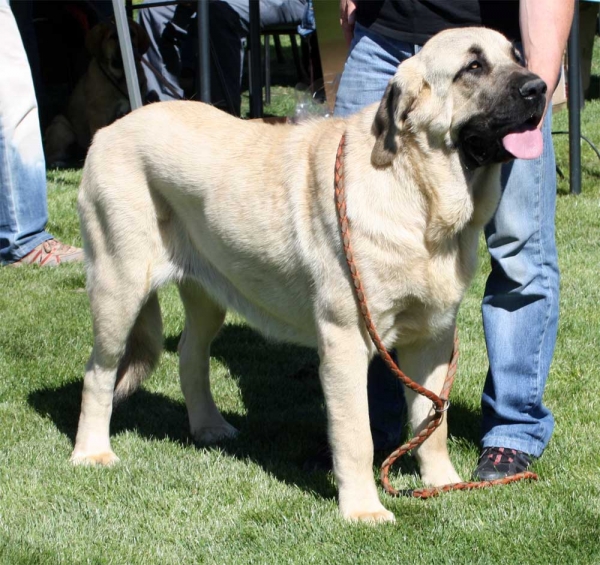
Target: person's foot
{"x":500,"y":462}
{"x":51,"y":253}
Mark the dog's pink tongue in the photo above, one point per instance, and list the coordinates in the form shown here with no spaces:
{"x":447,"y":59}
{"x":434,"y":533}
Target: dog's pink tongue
{"x":524,"y":144}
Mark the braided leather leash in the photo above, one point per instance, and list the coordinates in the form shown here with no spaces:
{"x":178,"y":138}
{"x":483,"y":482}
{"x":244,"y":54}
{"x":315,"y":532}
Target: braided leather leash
{"x":441,"y":402}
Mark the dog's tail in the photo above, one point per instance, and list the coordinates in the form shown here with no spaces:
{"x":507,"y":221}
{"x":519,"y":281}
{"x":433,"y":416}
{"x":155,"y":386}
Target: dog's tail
{"x":142,"y":351}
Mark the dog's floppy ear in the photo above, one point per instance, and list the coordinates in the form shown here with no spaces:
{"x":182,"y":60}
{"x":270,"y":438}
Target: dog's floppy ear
{"x":139,"y":37}
{"x":95,"y":38}
{"x":397,"y":102}
{"x":384,"y":127}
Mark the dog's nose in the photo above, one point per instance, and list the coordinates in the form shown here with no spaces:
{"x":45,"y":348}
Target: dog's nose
{"x":533,"y":88}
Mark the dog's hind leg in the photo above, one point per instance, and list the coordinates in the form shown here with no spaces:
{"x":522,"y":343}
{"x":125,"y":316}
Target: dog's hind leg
{"x":127,"y":345}
{"x":203,"y":319}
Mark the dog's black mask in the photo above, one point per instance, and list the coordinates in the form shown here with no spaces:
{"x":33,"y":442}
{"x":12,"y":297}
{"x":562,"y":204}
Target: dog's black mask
{"x":520,"y":105}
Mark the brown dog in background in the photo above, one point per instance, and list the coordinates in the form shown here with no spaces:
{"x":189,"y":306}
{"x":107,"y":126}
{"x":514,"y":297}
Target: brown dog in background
{"x":100,"y":96}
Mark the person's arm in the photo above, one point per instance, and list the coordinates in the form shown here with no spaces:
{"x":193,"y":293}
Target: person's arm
{"x":347,"y":18}
{"x":545,"y":28}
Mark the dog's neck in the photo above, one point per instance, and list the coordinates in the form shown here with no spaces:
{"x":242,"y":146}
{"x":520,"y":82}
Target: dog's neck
{"x":452,"y":198}
{"x":456,"y":197}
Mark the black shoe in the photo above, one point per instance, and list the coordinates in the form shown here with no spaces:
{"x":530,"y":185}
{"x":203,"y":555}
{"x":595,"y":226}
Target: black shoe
{"x":500,"y":462}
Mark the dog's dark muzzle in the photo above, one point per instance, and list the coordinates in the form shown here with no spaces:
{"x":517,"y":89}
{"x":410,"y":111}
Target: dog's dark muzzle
{"x":503,"y":133}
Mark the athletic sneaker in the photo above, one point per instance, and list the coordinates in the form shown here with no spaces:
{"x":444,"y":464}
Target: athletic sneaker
{"x":500,"y":462}
{"x":51,"y":253}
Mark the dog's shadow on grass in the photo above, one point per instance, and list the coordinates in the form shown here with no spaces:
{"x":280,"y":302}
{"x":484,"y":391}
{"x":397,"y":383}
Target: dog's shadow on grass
{"x":284,"y":423}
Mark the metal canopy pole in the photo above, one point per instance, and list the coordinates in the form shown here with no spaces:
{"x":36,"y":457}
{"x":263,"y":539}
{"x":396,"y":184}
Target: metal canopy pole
{"x":574,"y":104}
{"x":203,"y":78}
{"x":133,"y":86}
{"x":256,"y":103}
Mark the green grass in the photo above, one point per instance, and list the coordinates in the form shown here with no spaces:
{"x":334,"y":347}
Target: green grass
{"x":248,"y":500}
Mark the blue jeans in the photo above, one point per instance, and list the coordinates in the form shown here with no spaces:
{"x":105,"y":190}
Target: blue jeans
{"x":520,"y":305}
{"x":23,"y":207}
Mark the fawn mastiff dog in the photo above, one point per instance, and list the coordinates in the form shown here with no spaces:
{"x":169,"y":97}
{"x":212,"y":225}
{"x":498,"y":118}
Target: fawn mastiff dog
{"x":241,"y":215}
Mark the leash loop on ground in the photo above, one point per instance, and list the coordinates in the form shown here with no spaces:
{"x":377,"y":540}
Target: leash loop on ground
{"x":441,"y":403}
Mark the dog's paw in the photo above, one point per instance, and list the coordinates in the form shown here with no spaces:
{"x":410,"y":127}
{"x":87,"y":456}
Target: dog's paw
{"x":373,"y":516}
{"x":213,"y":434}
{"x":106,"y":459}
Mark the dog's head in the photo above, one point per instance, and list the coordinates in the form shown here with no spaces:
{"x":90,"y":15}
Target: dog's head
{"x":102,"y":43}
{"x":466,"y":90}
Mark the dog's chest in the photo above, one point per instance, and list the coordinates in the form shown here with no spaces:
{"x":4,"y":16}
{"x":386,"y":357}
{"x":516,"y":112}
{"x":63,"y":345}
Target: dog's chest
{"x":420,"y":298}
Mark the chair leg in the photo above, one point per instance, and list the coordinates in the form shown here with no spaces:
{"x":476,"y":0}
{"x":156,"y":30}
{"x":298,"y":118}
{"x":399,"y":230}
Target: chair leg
{"x":133,"y":86}
{"x":296,"y":55}
{"x":301,"y":71}
{"x":311,"y":58}
{"x":249,"y":70}
{"x":278,"y":49}
{"x":267,"y":68}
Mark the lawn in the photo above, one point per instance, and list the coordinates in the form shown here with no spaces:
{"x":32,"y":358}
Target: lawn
{"x":248,"y":500}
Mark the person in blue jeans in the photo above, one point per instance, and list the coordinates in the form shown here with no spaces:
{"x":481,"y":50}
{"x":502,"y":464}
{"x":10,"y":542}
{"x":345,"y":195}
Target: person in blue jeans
{"x":23,"y":205}
{"x":520,"y":304}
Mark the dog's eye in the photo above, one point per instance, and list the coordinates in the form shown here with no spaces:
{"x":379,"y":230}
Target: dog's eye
{"x":476,"y":68}
{"x":518,"y":57}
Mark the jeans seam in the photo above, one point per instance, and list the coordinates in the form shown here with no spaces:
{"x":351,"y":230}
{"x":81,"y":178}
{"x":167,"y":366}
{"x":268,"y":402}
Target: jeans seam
{"x":10,"y":183}
{"x":545,"y":283}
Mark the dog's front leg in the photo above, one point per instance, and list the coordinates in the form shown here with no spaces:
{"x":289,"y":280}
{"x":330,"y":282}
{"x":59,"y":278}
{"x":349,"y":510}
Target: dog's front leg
{"x":426,"y":363}
{"x":343,"y":372}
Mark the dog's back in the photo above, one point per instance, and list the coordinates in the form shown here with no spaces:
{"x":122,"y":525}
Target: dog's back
{"x":159,"y":201}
